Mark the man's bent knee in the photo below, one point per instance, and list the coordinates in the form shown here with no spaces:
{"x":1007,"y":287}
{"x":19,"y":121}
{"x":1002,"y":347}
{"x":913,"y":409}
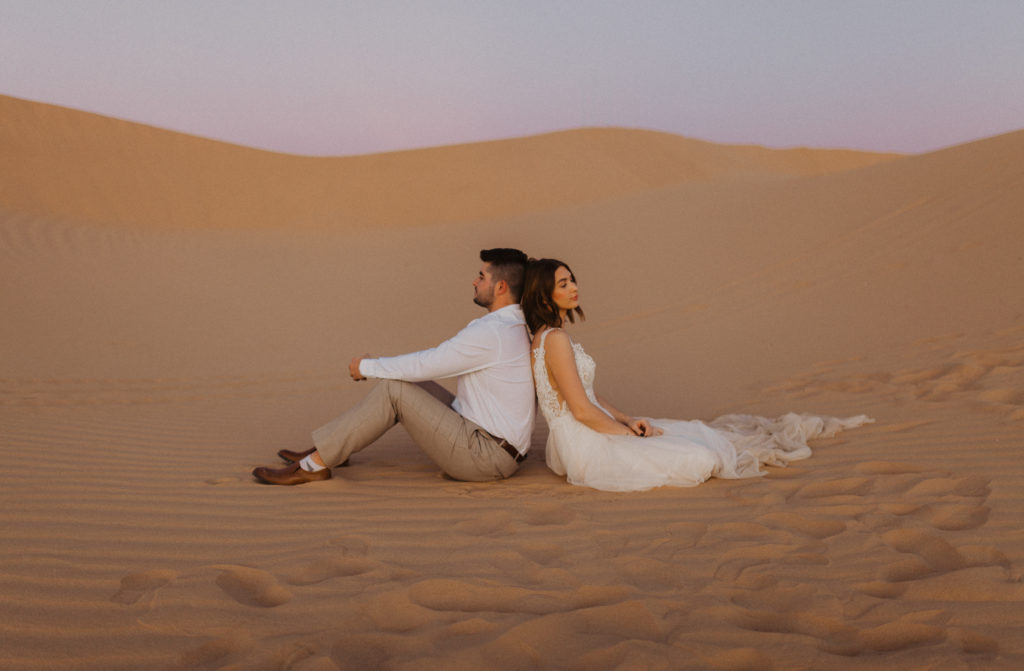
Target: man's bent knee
{"x":393,"y":389}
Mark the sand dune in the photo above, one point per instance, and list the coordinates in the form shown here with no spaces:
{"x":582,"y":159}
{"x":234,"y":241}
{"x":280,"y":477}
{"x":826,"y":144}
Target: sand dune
{"x":66,"y":163}
{"x":176,"y":309}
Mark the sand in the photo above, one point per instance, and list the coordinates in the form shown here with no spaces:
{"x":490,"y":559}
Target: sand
{"x":177,"y":309}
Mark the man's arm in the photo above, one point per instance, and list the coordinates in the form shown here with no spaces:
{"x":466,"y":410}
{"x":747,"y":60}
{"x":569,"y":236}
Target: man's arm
{"x":475,"y":347}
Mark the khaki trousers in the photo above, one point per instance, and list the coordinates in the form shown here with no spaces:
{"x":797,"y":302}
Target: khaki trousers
{"x":461,"y":448}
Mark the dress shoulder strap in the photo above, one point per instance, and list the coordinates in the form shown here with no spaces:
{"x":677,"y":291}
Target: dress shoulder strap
{"x":544,"y":336}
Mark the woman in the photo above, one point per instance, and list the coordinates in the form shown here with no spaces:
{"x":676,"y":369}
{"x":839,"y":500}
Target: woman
{"x":597,"y":445}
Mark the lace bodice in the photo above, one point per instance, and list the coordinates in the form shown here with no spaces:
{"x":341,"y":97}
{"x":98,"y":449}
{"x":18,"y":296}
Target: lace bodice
{"x":551,"y":405}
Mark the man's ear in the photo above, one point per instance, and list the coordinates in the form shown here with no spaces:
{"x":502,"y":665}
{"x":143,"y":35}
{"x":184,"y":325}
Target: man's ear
{"x":501,"y":287}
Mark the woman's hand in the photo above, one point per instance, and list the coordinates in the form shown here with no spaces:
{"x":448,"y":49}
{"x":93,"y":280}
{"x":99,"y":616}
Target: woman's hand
{"x":643,"y":428}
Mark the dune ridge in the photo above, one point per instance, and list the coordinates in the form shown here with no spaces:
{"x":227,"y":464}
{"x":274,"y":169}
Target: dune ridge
{"x":62,"y":162}
{"x":152,"y":356}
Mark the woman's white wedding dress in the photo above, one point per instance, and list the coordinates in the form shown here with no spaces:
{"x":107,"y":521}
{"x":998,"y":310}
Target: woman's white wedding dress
{"x":687,"y":454}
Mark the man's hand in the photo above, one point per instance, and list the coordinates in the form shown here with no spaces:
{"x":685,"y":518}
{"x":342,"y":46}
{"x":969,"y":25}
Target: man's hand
{"x":353,"y":367}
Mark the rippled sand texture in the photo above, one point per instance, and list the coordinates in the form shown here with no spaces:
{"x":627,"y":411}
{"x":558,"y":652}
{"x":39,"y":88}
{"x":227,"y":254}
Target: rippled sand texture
{"x":175,"y":310}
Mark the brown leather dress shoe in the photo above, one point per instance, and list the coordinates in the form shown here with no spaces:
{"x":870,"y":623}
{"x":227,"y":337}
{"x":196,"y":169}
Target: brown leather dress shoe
{"x":292,"y":456}
{"x":292,"y":474}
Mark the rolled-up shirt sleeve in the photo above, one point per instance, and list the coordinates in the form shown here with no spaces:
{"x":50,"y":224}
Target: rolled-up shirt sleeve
{"x":473,"y":348}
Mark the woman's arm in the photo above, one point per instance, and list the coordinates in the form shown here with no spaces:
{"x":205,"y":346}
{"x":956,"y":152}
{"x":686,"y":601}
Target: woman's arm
{"x":615,"y":412}
{"x":638,"y":425}
{"x":561,"y":362}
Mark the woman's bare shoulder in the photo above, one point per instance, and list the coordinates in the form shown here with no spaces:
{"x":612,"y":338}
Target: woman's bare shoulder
{"x":558,"y":341}
{"x":554,"y":334}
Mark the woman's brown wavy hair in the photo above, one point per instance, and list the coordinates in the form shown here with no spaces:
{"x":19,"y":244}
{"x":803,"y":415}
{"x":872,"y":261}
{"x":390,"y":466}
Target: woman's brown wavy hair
{"x":538,"y":308}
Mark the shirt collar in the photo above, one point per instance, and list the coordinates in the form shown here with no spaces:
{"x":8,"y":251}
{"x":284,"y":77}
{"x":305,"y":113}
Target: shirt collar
{"x":512,"y":313}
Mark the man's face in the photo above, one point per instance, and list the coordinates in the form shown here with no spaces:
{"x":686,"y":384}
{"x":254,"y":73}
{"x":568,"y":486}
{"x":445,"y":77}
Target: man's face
{"x":483,"y":287}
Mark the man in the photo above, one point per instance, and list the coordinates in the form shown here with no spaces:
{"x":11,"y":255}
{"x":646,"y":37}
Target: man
{"x":483,"y":432}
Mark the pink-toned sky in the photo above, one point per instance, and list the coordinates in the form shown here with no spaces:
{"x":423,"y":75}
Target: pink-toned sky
{"x":335,"y":77}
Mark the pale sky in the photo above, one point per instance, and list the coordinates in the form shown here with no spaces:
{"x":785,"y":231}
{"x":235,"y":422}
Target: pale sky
{"x":345,"y":77}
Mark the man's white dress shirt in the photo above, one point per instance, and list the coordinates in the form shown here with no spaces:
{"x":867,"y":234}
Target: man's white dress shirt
{"x":491,"y":358}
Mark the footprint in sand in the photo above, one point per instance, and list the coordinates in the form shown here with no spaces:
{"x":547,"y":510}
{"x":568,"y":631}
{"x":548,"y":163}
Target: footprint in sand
{"x":954,"y":516}
{"x":985,"y":555}
{"x":904,"y":570}
{"x":489,"y":524}
{"x":936,"y":552}
{"x":547,"y":514}
{"x":1003,"y":396}
{"x":138,"y":585}
{"x":613,"y":544}
{"x":893,"y":488}
{"x":802,"y":524}
{"x":778,"y":597}
{"x":975,"y":486}
{"x":951,"y":380}
{"x":888,"y":467}
{"x":746,"y":531}
{"x":933,"y":556}
{"x":332,"y":567}
{"x":687,"y":533}
{"x":973,"y":642}
{"x":913,"y":377}
{"x":1009,"y":401}
{"x":900,"y":635}
{"x":544,"y":554}
{"x":351,"y":546}
{"x":649,"y":575}
{"x":734,"y":562}
{"x":930,"y":497}
{"x":442,"y":594}
{"x":833,"y":633}
{"x":881,"y":589}
{"x":836,"y":636}
{"x":251,"y":586}
{"x":853,"y":486}
{"x":522,"y":570}
{"x":213,"y":653}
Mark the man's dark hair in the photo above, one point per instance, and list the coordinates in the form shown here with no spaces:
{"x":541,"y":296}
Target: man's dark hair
{"x":508,"y":265}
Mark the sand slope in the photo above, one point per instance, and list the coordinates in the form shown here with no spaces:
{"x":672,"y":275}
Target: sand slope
{"x":62,"y":162}
{"x":177,"y":309}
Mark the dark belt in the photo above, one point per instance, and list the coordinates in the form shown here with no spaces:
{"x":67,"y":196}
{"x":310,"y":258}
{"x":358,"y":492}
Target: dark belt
{"x":512,"y":452}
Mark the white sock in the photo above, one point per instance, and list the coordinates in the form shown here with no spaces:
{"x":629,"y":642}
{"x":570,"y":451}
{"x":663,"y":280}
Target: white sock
{"x":308,"y":464}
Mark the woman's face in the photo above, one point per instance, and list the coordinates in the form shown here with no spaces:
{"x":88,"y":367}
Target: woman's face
{"x":565,"y":295}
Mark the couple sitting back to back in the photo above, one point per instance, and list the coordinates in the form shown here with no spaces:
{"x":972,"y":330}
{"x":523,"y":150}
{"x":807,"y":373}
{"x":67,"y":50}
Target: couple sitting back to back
{"x":482,"y":432}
